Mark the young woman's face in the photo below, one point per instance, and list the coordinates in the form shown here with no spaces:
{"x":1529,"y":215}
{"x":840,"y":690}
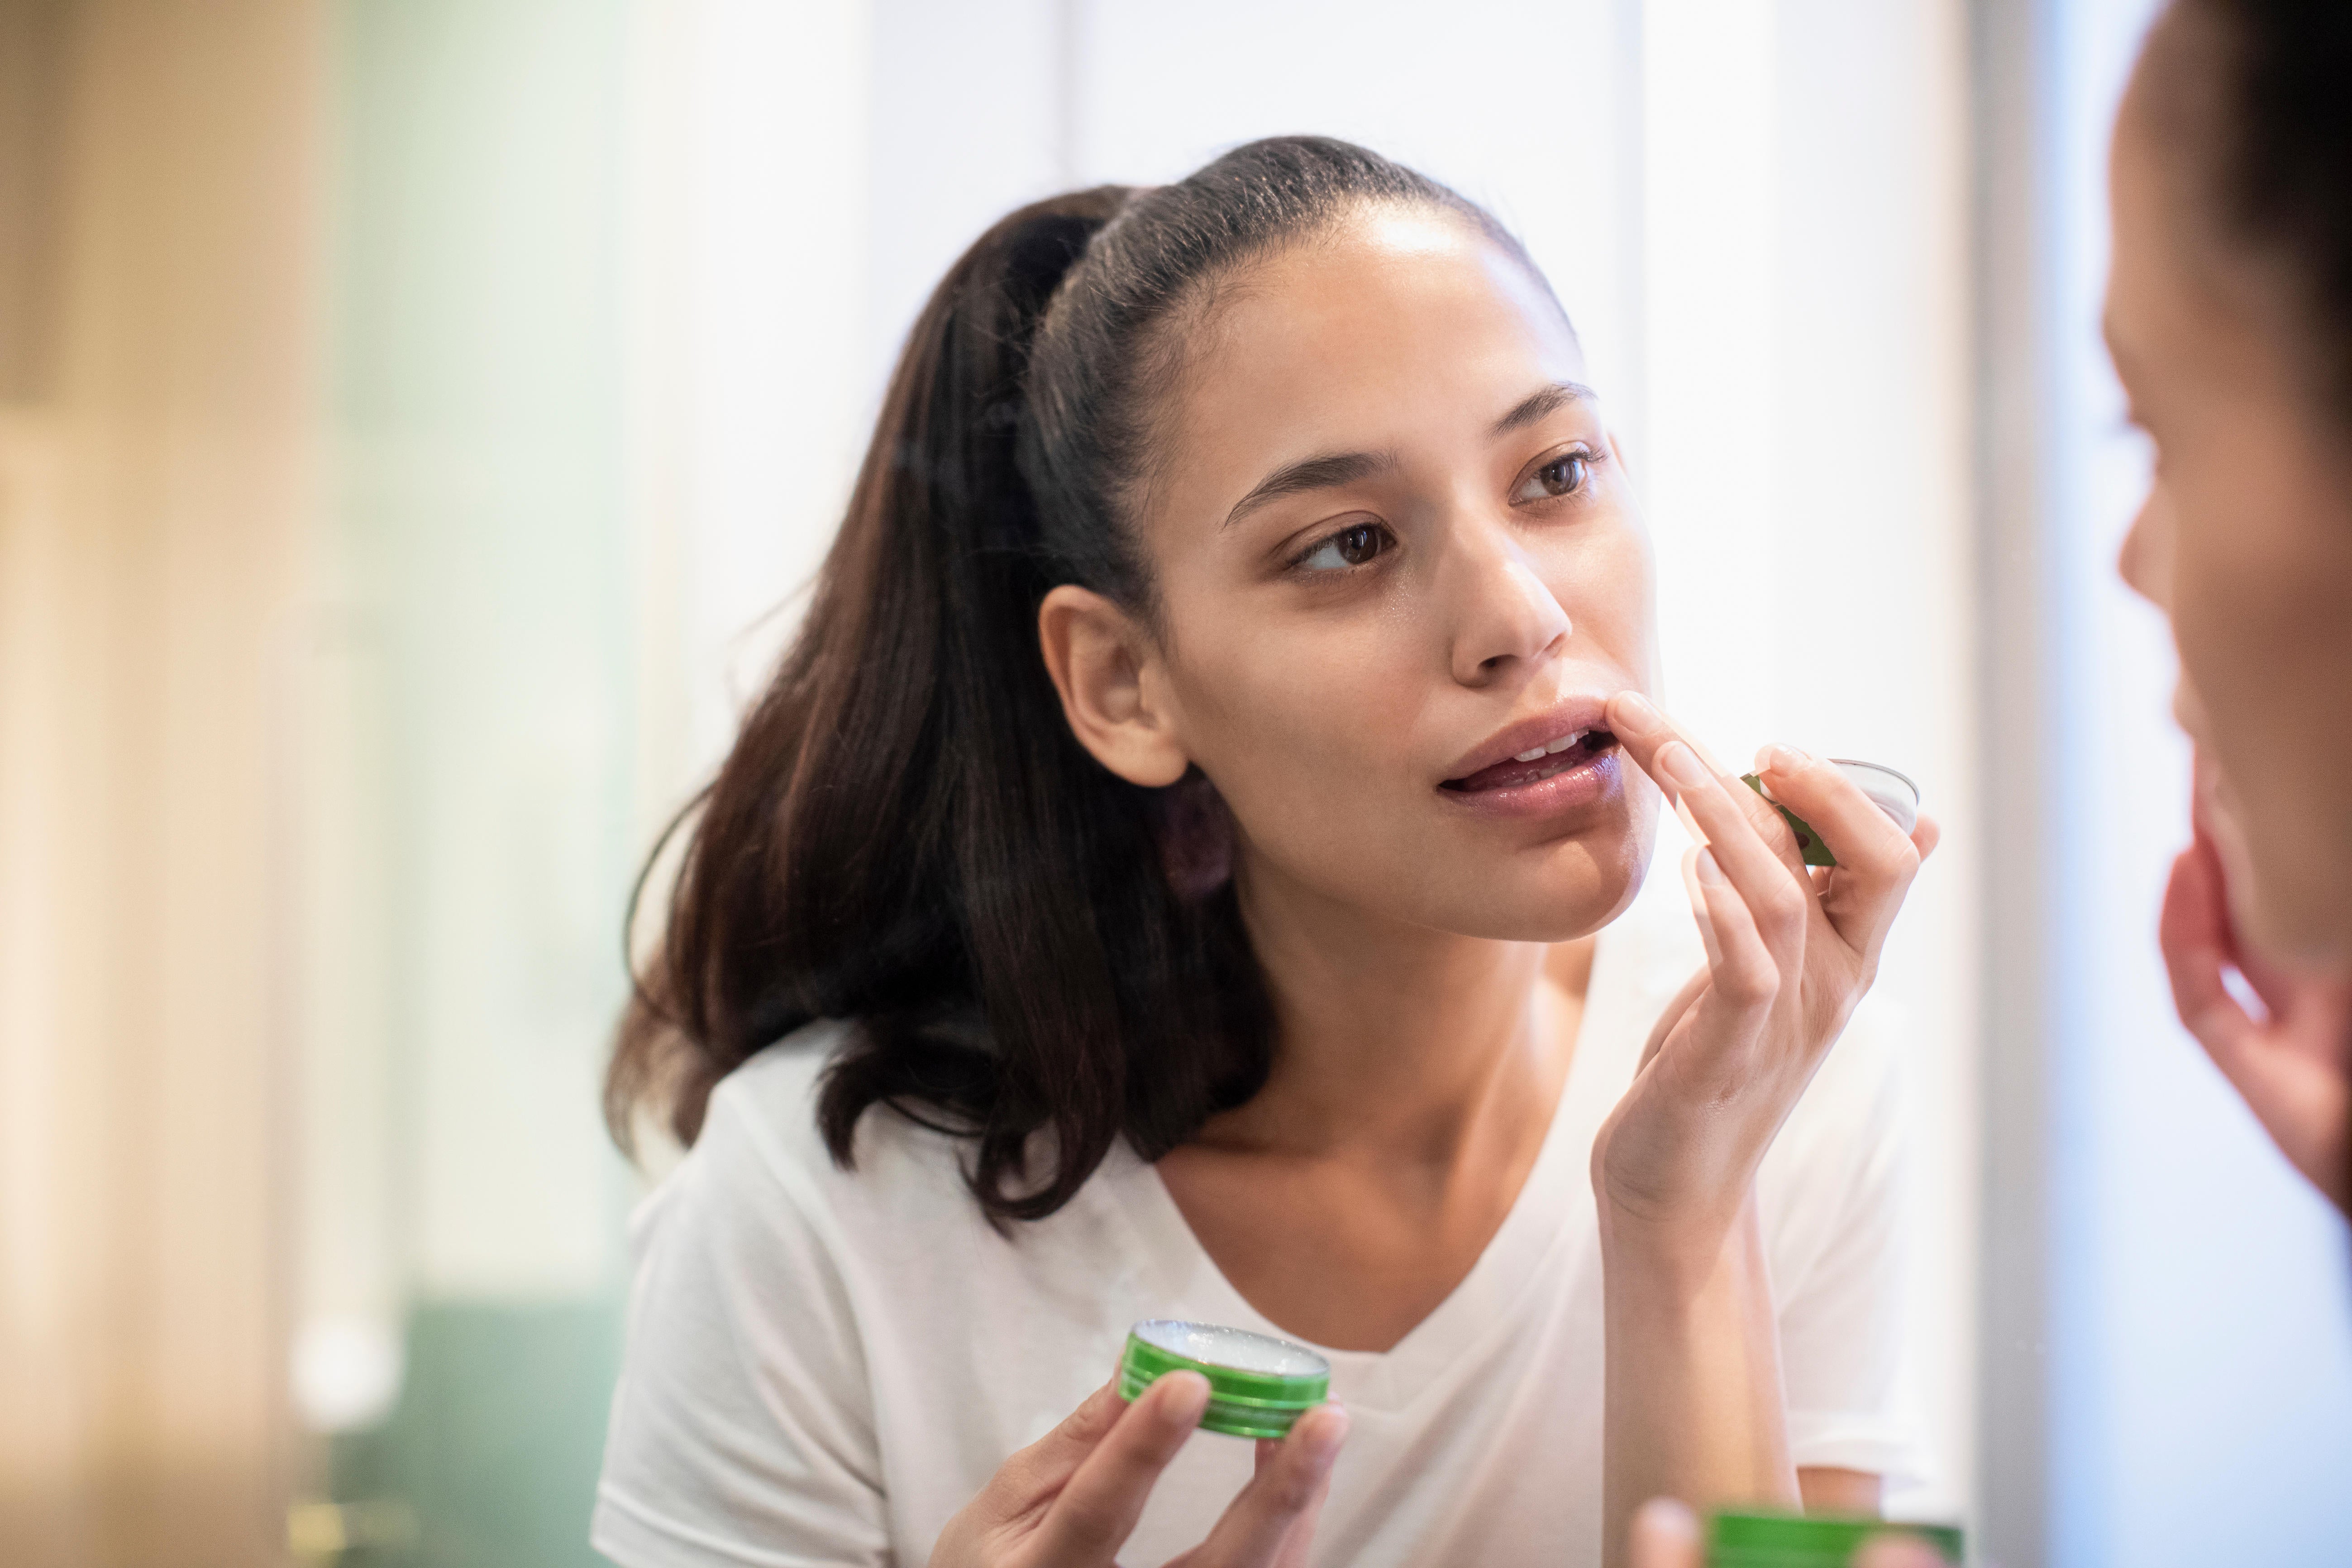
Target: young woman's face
{"x":1396,"y":554}
{"x":2245,"y":541}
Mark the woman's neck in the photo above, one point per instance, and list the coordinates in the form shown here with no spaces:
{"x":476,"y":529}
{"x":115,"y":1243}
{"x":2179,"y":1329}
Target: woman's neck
{"x":1415,"y":1077}
{"x":1395,"y":1041}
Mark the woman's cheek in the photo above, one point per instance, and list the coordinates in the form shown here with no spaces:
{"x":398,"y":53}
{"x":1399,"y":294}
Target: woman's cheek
{"x":1603,"y":579}
{"x":1287,"y":723}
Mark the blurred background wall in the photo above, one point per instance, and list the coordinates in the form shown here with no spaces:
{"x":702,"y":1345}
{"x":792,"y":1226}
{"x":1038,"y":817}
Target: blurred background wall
{"x":417,"y":418}
{"x":162,"y":171}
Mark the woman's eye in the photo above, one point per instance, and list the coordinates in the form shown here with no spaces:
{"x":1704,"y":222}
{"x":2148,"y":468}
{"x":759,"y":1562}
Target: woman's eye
{"x":1349,"y":547}
{"x":1561,"y":476}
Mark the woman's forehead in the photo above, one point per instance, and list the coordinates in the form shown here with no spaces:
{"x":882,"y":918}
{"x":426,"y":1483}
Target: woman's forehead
{"x":1385,"y":316}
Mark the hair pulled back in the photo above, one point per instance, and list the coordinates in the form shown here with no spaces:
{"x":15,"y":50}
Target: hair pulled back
{"x":2274,"y":119}
{"x":1036,"y":955}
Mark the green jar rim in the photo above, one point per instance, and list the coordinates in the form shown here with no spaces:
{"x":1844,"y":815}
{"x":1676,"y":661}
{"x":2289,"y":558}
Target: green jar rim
{"x":1242,"y":1402}
{"x":1743,"y":1539}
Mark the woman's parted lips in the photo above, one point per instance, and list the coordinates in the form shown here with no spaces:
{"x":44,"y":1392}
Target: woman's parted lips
{"x":1555,"y":724}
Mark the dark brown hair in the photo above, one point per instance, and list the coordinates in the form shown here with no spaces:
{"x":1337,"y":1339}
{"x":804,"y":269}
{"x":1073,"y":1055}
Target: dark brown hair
{"x":1035,"y":955}
{"x":2261,"y":105}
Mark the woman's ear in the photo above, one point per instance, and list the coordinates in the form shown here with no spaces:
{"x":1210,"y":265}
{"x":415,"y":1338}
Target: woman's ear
{"x":1106,"y":669}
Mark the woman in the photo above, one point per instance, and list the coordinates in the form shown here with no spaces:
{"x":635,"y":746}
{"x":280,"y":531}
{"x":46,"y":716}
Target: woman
{"x":2230,"y":317}
{"x":1171,"y":858}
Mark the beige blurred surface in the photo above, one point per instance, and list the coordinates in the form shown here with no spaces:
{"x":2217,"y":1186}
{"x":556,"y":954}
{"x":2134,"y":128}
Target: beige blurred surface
{"x":155,"y":450}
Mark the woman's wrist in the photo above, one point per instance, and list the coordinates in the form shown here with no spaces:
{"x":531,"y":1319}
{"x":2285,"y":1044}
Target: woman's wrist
{"x":1668,"y":1258}
{"x":1694,"y":1407}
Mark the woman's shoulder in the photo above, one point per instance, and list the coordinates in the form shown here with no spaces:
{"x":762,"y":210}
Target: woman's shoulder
{"x":762,"y":1151}
{"x":880,"y":1245}
{"x":901,"y":1201}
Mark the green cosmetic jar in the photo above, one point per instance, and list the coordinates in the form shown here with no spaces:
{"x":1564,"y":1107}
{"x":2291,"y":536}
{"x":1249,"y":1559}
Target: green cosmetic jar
{"x":1258,"y":1386}
{"x":1891,"y":792}
{"x":1739,"y":1540}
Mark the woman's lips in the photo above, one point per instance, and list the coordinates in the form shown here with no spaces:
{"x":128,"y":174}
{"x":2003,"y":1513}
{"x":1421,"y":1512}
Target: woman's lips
{"x":1582,"y":773}
{"x":1513,"y":772}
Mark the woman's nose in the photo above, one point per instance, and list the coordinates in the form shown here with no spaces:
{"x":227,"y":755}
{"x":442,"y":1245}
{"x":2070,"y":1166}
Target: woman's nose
{"x":1504,"y":614}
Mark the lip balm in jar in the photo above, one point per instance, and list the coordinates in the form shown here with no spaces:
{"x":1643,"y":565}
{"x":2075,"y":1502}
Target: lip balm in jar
{"x":1258,"y":1386}
{"x":1741,"y":1539}
{"x":1889,"y":790}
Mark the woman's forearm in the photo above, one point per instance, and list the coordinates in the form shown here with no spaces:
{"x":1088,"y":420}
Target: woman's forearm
{"x":1693,"y":1407}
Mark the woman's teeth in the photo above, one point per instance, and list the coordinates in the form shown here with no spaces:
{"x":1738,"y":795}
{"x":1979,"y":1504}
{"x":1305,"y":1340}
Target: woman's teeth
{"x":1551,"y":748}
{"x":1538,"y":762}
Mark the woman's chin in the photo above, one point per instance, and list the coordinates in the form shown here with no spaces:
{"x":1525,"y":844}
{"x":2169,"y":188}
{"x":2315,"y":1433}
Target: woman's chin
{"x":1580,"y":885}
{"x":2271,"y":915}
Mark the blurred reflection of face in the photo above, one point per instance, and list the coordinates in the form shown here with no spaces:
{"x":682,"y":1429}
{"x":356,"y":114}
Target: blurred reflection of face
{"x":2245,"y":541}
{"x":1394,"y":552}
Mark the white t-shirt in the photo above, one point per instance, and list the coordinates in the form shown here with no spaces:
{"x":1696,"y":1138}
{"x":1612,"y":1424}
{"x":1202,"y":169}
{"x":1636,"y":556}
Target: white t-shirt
{"x":824,"y":1365}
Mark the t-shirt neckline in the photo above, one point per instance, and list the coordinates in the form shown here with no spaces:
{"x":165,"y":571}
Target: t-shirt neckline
{"x":1537,"y":1238}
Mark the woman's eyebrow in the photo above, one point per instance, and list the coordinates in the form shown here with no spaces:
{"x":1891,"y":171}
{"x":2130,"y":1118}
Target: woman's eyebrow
{"x":1545,"y":400}
{"x":1321,"y":473}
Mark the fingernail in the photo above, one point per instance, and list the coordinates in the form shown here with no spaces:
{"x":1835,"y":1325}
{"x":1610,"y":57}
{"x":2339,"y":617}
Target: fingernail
{"x":1630,"y":712}
{"x":1184,"y":1404}
{"x":1662,"y":1521}
{"x":1778,"y":758}
{"x":1708,"y":871}
{"x":1681,"y":765}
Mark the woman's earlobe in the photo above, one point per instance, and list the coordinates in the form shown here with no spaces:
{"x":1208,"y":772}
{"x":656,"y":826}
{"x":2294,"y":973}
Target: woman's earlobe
{"x":1101,"y":663}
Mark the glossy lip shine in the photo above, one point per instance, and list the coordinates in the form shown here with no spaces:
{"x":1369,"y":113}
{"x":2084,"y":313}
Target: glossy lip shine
{"x":1597,"y":778}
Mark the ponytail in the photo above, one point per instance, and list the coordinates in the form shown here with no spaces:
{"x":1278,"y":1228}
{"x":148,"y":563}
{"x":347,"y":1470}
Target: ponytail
{"x":1036,"y":955}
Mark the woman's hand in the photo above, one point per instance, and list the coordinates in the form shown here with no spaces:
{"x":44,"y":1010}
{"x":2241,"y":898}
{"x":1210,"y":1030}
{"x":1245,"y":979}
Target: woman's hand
{"x":1693,"y":1407}
{"x":1070,"y":1498}
{"x":1788,"y":954}
{"x":1666,"y":1535}
{"x":2291,"y":1066}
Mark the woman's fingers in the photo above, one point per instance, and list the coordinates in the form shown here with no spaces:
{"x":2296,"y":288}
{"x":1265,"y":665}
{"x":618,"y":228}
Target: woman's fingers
{"x":1693,"y":988}
{"x":1865,"y":839}
{"x":1039,"y":1469}
{"x":1666,"y":1535}
{"x":1748,"y":835}
{"x":1097,"y":1509}
{"x":1776,"y":895}
{"x":1647,"y":734}
{"x":1875,"y":860}
{"x":1267,"y":1525}
{"x":1925,"y":834}
{"x":1741,"y":971}
{"x":2312,"y":1015}
{"x":1895,"y":1549}
{"x":2194,"y":933}
{"x":2289,"y":1070}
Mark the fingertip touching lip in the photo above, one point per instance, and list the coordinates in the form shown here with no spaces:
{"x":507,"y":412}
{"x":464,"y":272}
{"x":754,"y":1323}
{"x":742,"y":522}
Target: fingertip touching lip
{"x":1551,"y":733}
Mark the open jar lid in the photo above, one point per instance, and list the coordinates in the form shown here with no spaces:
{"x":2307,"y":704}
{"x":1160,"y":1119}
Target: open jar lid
{"x":1258,"y":1386}
{"x":1891,"y":792}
